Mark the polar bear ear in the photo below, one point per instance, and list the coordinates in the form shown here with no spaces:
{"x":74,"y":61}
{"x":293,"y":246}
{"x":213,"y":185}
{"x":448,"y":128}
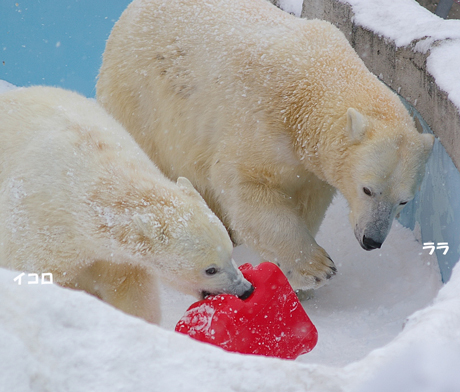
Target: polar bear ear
{"x":184,"y":183}
{"x":356,"y":125}
{"x":187,"y":186}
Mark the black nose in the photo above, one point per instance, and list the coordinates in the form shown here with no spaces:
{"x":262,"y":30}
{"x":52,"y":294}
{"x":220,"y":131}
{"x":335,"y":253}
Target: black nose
{"x":247,"y":293}
{"x":205,"y":294}
{"x":369,"y":244}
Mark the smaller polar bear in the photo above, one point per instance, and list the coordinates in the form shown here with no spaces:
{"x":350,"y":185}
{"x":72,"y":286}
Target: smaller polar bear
{"x":79,"y":199}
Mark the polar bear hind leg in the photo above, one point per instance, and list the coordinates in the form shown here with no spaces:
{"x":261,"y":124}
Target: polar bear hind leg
{"x":128,"y":288}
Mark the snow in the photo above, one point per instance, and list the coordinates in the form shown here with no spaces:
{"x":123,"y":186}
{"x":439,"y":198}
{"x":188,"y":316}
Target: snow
{"x":404,"y":21}
{"x":444,"y":64}
{"x":58,"y":339}
{"x":385,"y":322}
{"x":366,"y":303}
{"x":421,"y":369}
{"x":291,"y":6}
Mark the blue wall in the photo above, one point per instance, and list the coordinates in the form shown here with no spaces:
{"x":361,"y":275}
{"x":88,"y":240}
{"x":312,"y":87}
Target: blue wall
{"x":58,"y":43}
{"x":435,"y":211}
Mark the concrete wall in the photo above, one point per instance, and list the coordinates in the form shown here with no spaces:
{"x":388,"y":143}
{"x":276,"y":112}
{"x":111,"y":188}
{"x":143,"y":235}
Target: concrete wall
{"x":430,"y":5}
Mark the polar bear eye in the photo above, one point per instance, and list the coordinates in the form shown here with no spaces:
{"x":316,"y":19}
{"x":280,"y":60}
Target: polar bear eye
{"x":211,"y":271}
{"x":403,"y":203}
{"x":367,"y":191}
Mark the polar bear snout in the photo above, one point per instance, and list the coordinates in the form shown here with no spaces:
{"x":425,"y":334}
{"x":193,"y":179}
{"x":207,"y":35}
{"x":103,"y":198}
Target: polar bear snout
{"x":374,"y":234}
{"x":230,"y":281}
{"x":369,"y":244}
{"x":247,"y":293}
{"x":374,"y":222}
{"x":241,"y":288}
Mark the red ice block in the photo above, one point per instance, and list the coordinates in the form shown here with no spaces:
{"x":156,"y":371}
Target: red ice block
{"x":270,"y":322}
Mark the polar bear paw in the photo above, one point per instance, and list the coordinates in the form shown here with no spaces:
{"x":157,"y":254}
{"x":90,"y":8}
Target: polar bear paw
{"x":313,"y":272}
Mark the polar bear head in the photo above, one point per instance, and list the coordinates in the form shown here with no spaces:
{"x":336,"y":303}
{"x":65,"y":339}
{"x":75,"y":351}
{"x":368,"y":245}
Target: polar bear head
{"x":193,"y":251}
{"x":383,"y":168}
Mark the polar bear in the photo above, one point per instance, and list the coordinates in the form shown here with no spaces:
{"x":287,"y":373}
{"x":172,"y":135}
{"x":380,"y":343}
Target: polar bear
{"x":81,"y":200}
{"x":267,"y":115}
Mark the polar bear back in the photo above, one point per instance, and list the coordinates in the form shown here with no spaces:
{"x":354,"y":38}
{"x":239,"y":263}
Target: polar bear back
{"x":53,"y":161}
{"x":186,"y":81}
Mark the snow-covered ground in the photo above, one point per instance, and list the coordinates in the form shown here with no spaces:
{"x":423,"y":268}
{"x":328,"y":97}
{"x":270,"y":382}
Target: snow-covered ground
{"x":382,"y":324}
{"x":55,"y":339}
{"x":366,"y":304}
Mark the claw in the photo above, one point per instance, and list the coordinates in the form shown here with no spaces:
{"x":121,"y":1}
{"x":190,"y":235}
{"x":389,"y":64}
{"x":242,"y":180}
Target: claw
{"x":304,"y":295}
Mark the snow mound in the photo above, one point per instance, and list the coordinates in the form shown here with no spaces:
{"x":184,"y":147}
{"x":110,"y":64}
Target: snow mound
{"x":55,"y":339}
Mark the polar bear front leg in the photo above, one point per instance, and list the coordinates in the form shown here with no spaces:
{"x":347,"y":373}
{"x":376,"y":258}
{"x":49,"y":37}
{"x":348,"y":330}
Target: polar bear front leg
{"x":267,"y":220}
{"x":129,"y":288}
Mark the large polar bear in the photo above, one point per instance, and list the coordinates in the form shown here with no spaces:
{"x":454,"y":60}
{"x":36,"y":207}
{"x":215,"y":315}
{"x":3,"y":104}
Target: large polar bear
{"x":80,"y":199}
{"x":267,"y":115}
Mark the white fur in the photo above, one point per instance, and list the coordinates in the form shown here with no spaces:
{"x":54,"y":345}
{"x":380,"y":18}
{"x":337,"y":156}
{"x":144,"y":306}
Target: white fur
{"x":79,"y":199}
{"x":267,"y":115}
